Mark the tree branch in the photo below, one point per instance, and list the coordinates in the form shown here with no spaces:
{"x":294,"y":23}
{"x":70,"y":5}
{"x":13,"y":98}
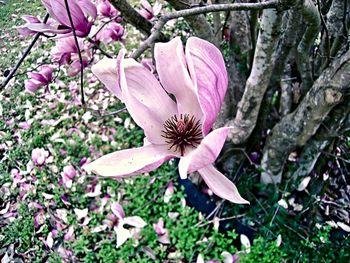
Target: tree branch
{"x":25,"y":54}
{"x":314,"y":147}
{"x":257,"y":83}
{"x":296,"y":128}
{"x":132,"y":16}
{"x":198,"y":23}
{"x":271,"y":4}
{"x":312,"y":17}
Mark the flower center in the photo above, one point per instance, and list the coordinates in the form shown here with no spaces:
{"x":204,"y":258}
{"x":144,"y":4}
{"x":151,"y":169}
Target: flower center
{"x":181,"y":132}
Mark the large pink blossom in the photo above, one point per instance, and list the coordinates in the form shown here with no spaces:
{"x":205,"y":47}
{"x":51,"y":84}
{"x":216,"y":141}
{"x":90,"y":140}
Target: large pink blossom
{"x":80,"y":10}
{"x":197,"y":78}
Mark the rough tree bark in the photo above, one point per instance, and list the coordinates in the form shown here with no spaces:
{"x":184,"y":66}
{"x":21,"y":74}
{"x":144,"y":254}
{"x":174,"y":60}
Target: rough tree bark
{"x":326,"y":134}
{"x":296,"y":128}
{"x":257,"y":83}
{"x":311,"y":16}
{"x":240,"y":43}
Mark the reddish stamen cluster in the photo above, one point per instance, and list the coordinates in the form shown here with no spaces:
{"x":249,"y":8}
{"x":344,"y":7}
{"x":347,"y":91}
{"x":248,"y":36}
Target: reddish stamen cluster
{"x":181,"y":132}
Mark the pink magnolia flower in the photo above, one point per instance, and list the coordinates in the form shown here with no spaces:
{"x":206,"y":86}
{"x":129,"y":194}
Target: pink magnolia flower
{"x":120,"y":220}
{"x":80,"y":11}
{"x":38,"y":79}
{"x":39,"y":156}
{"x":110,"y":33}
{"x":198,"y":80}
{"x":104,"y":8}
{"x":148,"y":11}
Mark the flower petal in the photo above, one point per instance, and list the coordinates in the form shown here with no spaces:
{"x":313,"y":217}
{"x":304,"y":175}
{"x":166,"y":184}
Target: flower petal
{"x":130,"y":161}
{"x":205,"y":154}
{"x":134,"y":221}
{"x":79,"y":20}
{"x":117,"y":210}
{"x":122,"y":235}
{"x":173,"y":74}
{"x":145,"y":4}
{"x":42,"y":27}
{"x":209,"y":75}
{"x":30,"y":19}
{"x":107,"y":72}
{"x":147,"y":102}
{"x":88,"y":8}
{"x":220,"y":185}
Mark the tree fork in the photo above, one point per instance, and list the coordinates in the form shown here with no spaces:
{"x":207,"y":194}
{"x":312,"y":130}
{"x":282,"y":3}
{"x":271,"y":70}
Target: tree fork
{"x":295,"y":129}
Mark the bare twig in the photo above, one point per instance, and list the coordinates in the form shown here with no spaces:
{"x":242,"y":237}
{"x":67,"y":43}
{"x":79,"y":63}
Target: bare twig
{"x":97,"y":46}
{"x":131,"y":16}
{"x":198,"y":23}
{"x":25,"y":54}
{"x":103,"y":25}
{"x":200,"y":10}
{"x":79,"y":54}
{"x":106,"y":114}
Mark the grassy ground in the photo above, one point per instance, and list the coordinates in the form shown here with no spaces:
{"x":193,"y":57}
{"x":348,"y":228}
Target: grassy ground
{"x":39,"y":220}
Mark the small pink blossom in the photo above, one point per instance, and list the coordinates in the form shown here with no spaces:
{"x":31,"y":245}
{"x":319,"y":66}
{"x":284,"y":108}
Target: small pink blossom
{"x":38,"y":79}
{"x":81,"y":213}
{"x":16,"y":176}
{"x":148,"y":11}
{"x":39,"y":218}
{"x":111,"y":33}
{"x":65,"y":52}
{"x":39,"y":156}
{"x":104,"y":8}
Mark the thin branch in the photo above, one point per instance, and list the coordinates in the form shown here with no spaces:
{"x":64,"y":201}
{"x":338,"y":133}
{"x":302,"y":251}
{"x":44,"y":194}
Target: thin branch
{"x":106,"y":114}
{"x":103,"y":25}
{"x":25,"y":54}
{"x":79,"y":54}
{"x":131,"y":16}
{"x":202,"y":10}
{"x":198,"y":23}
{"x":97,"y":46}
